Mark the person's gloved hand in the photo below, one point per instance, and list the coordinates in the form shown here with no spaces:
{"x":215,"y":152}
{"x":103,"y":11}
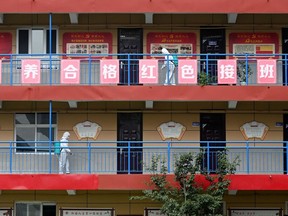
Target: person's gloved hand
{"x":71,"y":153}
{"x":163,"y":66}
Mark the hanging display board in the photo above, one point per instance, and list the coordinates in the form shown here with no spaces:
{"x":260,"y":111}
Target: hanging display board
{"x":87,"y":212}
{"x":153,"y":212}
{"x":255,"y":212}
{"x":5,"y":212}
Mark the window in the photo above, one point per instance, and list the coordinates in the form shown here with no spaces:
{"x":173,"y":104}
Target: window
{"x":36,"y":41}
{"x":35,"y":209}
{"x":32,"y":131}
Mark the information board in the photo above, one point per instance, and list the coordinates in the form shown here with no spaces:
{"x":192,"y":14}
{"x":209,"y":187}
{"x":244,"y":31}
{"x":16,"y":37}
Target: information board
{"x":255,"y":212}
{"x":87,"y":212}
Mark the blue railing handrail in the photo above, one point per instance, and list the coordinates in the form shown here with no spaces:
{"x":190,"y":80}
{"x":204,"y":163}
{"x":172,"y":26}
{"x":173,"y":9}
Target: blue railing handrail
{"x":108,"y":157}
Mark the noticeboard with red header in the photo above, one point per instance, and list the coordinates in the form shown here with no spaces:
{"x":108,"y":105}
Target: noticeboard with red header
{"x":262,"y":44}
{"x":179,"y":43}
{"x":86,"y":43}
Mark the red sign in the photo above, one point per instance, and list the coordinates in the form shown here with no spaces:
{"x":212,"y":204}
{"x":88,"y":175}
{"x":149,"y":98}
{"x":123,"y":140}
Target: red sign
{"x":227,"y":71}
{"x":180,"y":43}
{"x":86,"y":43}
{"x":5,"y":44}
{"x":254,"y":43}
{"x":70,"y":71}
{"x":0,"y":71}
{"x":187,"y":72}
{"x":266,"y":71}
{"x":31,"y":71}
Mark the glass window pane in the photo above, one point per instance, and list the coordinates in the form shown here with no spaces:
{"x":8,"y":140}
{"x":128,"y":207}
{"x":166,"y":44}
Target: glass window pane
{"x":43,"y":135}
{"x":34,"y":209}
{"x":21,"y":209}
{"x":25,"y":118}
{"x":23,"y":136}
{"x":37,"y":41}
{"x":53,"y":41}
{"x":23,"y":41}
{"x":43,"y":118}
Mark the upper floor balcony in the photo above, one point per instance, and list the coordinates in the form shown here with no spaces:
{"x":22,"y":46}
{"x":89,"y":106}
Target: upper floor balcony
{"x":143,"y":69}
{"x":119,"y":157}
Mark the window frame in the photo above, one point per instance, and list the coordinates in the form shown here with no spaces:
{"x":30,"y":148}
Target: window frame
{"x":41,"y":204}
{"x":45,"y":48}
{"x":34,"y":126}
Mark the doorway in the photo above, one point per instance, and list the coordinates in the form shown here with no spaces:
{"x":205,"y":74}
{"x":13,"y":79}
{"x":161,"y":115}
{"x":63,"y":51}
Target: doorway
{"x":212,"y":42}
{"x":130,"y":41}
{"x":285,"y":139}
{"x":285,"y":51}
{"x":212,"y":134}
{"x":129,"y":134}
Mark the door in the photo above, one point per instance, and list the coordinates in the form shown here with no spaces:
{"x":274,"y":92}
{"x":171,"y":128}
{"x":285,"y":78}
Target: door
{"x":212,"y":133}
{"x":129,"y":135}
{"x":130,"y":41}
{"x":212,"y":42}
{"x":49,"y":210}
{"x":285,"y":51}
{"x":285,"y":139}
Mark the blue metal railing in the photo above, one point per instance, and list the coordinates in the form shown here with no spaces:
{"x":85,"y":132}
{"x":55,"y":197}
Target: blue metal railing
{"x":129,"y":71}
{"x":256,"y":157}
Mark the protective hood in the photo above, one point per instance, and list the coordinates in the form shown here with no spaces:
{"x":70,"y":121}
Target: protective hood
{"x":66,"y":135}
{"x":165,"y":51}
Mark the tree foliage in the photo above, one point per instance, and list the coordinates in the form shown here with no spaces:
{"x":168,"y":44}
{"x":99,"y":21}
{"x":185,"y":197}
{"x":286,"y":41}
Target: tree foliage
{"x":187,"y":195}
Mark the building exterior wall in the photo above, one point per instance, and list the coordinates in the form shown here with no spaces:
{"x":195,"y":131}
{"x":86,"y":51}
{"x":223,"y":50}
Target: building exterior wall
{"x":103,"y":112}
{"x":120,"y":200}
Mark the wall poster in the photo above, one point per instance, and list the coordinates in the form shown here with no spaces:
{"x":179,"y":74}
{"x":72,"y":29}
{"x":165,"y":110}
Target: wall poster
{"x":87,"y":43}
{"x":6,"y":212}
{"x":255,"y":212}
{"x":87,"y":212}
{"x":179,"y":43}
{"x":5,"y":44}
{"x":153,"y":212}
{"x":264,"y":44}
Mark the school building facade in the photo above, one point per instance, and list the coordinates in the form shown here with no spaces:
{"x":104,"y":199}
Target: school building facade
{"x":94,"y":69}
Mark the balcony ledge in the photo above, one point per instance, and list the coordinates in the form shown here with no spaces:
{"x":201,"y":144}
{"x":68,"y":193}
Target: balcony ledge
{"x":127,"y":182}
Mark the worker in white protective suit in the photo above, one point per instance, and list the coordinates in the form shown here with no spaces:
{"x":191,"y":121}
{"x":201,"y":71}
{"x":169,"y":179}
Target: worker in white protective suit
{"x":170,"y":67}
{"x":64,"y":154}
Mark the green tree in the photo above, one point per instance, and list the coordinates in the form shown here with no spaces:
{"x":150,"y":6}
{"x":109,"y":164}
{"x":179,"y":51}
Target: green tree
{"x":186,"y":195}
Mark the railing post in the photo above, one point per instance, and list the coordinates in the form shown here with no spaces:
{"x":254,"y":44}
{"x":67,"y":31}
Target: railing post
{"x":208,"y":157}
{"x":90,"y":70}
{"x":129,"y":67}
{"x":89,"y":157}
{"x":10,"y":153}
{"x":50,"y":136}
{"x":247,"y":157}
{"x":286,"y":146}
{"x":168,"y":157}
{"x":50,"y":48}
{"x":11,"y":69}
{"x":129,"y":157}
{"x":50,"y":157}
{"x":207,"y":68}
{"x":246,"y":69}
{"x":286,"y":69}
